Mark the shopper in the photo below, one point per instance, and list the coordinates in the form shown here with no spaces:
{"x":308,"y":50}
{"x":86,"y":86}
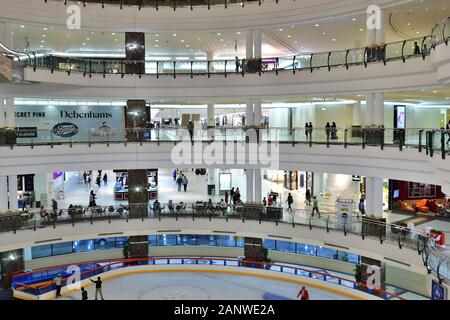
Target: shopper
{"x":238,"y":64}
{"x":98,"y":287}
{"x":179,"y":182}
{"x":333,"y":131}
{"x":92,"y":198}
{"x":98,"y":181}
{"x":58,"y":284}
{"x":290,"y":201}
{"x":328,"y":130}
{"x":43,"y":213}
{"x":306,"y":130}
{"x":303,"y":294}
{"x":264,"y":202}
{"x":89,"y":180}
{"x":361,"y":208}
{"x":425,"y":51}
{"x":416,"y":48}
{"x":174,"y":175}
{"x":232,"y":192}
{"x":84,"y":294}
{"x":105,"y":179}
{"x":315,"y":206}
{"x":185,"y":183}
{"x":448,"y":131}
{"x":308,"y":197}
{"x":191,"y":130}
{"x":310,"y":130}
{"x":84,"y":177}
{"x":226,"y":197}
{"x":54,"y":209}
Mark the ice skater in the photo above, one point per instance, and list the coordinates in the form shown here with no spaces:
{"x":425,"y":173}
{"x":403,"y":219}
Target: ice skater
{"x":303,"y":294}
{"x":98,"y":287}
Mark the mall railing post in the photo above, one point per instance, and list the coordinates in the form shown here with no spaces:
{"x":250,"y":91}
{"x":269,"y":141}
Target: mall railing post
{"x":327,"y":220}
{"x":383,"y":131}
{"x":310,"y":225}
{"x":328,"y":139}
{"x":443,"y":153}
{"x":174,"y":69}
{"x":51,"y":64}
{"x":157,"y":69}
{"x":293,"y":65}
{"x":311,"y":62}
{"x":345,"y":137}
{"x":192,"y":64}
{"x":403,"y":52}
{"x":420,"y":140}
{"x":34,"y":61}
{"x":427,"y":140}
{"x":328,"y":61}
{"x":431,"y":143}
{"x":399,"y":240}
{"x":346,"y":59}
{"x":364,"y":133}
{"x":209,"y":72}
{"x":276,"y":66}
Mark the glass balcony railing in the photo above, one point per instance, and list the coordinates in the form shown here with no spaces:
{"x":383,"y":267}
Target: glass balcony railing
{"x":431,"y":141}
{"x":401,"y":50}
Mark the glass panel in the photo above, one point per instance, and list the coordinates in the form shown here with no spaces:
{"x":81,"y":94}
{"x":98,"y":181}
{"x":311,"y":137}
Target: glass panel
{"x":152,"y":240}
{"x":348,"y":257}
{"x":326,"y":253}
{"x":120,"y":241}
{"x":187,"y":240}
{"x":206,"y":240}
{"x":83,"y":245}
{"x":239,"y":241}
{"x":62,"y":248}
{"x":225,"y":241}
{"x":104,"y":244}
{"x":306,"y":249}
{"x":286,"y":246}
{"x":270,"y":244}
{"x":337,"y":58}
{"x":167,"y":240}
{"x":41,"y":251}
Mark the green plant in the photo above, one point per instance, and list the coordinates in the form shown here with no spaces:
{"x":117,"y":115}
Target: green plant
{"x":266,"y":256}
{"x":358,"y":273}
{"x":126,"y":250}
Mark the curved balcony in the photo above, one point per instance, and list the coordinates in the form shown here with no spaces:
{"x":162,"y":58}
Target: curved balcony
{"x":30,"y":228}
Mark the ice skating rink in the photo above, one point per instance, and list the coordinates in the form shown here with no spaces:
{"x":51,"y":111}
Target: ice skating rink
{"x":200,"y":286}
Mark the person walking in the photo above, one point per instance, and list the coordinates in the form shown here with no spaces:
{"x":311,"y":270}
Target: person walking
{"x":333,"y":131}
{"x":89,"y":180}
{"x":315,"y":206}
{"x":264,"y":202}
{"x":238,"y":64}
{"x":185,"y":183}
{"x":179,"y":182}
{"x":190,"y":127}
{"x":174,"y":175}
{"x":226,"y":197}
{"x":232,"y":192}
{"x":84,"y":294}
{"x":98,"y":287}
{"x":416,"y":48}
{"x":58,"y":284}
{"x":84,"y":177}
{"x":306,"y":130}
{"x":303,"y":294}
{"x":308,"y":197}
{"x":448,"y":131}
{"x":54,"y":208}
{"x":328,"y":130}
{"x":105,"y":180}
{"x":361,"y":208}
{"x":290,"y":201}
{"x":310,"y":130}
{"x":92,"y":198}
{"x":98,"y":181}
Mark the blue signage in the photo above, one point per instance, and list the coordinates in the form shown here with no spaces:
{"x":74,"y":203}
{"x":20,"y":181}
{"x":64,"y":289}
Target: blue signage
{"x":438,"y":291}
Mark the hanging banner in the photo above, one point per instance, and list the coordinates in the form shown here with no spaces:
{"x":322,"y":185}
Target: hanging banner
{"x":70,"y":123}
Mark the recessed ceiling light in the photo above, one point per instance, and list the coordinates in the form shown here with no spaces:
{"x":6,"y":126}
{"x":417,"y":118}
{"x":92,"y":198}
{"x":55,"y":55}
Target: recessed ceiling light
{"x":218,"y":33}
{"x":41,"y":46}
{"x":324,"y":33}
{"x":116,"y":39}
{"x":333,"y":39}
{"x":88,"y":38}
{"x":221,"y":40}
{"x":354,"y":19}
{"x":157,"y":35}
{"x":295,"y":41}
{"x":174,"y":34}
{"x":44,"y":35}
{"x":22,"y":27}
{"x":156,"y":46}
{"x":156,"y":40}
{"x":42,"y":41}
{"x":238,"y":32}
{"x":408,"y":24}
{"x":182,"y":40}
{"x":317,"y":25}
{"x":45,"y":29}
{"x":187,"y":46}
{"x":292,"y":26}
{"x":434,"y":91}
{"x":361,"y":29}
{"x":113,"y":33}
{"x":289,"y":36}
{"x":192,"y":49}
{"x":281,"y":29}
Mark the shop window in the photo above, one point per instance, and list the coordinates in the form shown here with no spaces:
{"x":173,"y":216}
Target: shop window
{"x":41,"y":251}
{"x":83,"y":245}
{"x":326,"y":253}
{"x":120,"y":241}
{"x":348,"y":257}
{"x":62,"y":248}
{"x":167,"y":240}
{"x":206,"y":240}
{"x":225,"y":241}
{"x":285,"y":246}
{"x":152,"y":240}
{"x":240,"y":242}
{"x":187,"y":240}
{"x":270,"y":244}
{"x":104,"y":243}
{"x":306,"y":249}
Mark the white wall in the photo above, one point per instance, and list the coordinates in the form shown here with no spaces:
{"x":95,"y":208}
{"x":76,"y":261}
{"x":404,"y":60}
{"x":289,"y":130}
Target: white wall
{"x":278,"y":117}
{"x":338,"y":185}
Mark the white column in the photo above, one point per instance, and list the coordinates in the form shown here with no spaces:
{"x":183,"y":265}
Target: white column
{"x":10,"y":115}
{"x":257,"y":112}
{"x":380,"y":37}
{"x":257,"y":43}
{"x":211,"y":178}
{"x":411,"y":117}
{"x":356,"y":114}
{"x":211,"y":120}
{"x":3,"y":194}
{"x":210,"y":57}
{"x":374,"y":196}
{"x":258,"y":186}
{"x":369,"y":112}
{"x":249,"y":185}
{"x":378,"y":113}
{"x":6,"y":36}
{"x":249,"y":112}
{"x":2,"y":112}
{"x":12,"y":195}
{"x":249,"y":45}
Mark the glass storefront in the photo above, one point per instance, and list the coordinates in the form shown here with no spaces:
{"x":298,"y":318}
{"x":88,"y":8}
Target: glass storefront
{"x":170,"y":240}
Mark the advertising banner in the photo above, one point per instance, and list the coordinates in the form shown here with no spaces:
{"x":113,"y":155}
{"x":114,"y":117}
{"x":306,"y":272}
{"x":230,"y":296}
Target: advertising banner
{"x":70,"y":123}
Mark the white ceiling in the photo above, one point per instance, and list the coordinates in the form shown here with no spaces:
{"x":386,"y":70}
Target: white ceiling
{"x":403,"y":21}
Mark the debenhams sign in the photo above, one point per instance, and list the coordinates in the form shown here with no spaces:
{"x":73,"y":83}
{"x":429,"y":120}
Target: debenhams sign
{"x":66,"y":114}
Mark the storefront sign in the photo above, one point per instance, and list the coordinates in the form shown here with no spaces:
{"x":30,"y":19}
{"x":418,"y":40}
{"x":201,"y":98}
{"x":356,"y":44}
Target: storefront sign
{"x":77,"y":123}
{"x":438,"y":291}
{"x":27,"y":132}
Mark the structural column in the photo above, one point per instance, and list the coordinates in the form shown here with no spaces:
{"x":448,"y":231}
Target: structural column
{"x":211,"y":120}
{"x":257,"y":112}
{"x":356,"y":114}
{"x":369,"y":111}
{"x":12,"y":194}
{"x":135,"y":52}
{"x":210,"y":57}
{"x":249,"y":185}
{"x":257,"y":43}
{"x":249,"y":45}
{"x":258,"y":186}
{"x":249,"y":112}
{"x":374,"y":196}
{"x":378,"y":111}
{"x":3,"y":194}
{"x":2,"y":112}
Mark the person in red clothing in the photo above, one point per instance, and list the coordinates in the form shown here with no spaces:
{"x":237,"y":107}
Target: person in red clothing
{"x":303,"y":294}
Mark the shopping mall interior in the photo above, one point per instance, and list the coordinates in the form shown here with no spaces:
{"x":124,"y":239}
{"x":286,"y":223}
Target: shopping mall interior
{"x":224,"y":150}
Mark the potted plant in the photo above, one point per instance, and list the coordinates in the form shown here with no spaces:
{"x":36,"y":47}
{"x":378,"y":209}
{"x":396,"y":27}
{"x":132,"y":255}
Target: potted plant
{"x":266,"y":259}
{"x":358,"y":274}
{"x":126,"y":251}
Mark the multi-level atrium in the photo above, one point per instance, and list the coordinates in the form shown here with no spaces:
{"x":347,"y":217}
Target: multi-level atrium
{"x":224,"y":150}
